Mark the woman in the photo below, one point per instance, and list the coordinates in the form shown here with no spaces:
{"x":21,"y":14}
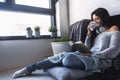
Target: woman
{"x":103,"y":50}
{"x":96,"y":16}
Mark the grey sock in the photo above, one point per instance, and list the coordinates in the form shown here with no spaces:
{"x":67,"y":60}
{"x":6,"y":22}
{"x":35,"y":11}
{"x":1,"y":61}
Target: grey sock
{"x":21,"y":72}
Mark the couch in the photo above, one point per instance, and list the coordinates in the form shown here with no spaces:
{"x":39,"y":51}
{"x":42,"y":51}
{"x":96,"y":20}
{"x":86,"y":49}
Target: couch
{"x":77,"y":32}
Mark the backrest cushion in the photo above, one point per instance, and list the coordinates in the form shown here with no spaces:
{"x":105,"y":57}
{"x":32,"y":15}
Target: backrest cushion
{"x":116,"y":62}
{"x":78,"y":30}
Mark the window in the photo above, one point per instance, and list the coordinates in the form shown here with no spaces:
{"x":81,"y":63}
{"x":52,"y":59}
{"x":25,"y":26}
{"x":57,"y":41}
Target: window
{"x":15,"y":24}
{"x":36,"y":3}
{"x":2,"y":0}
{"x":17,"y":15}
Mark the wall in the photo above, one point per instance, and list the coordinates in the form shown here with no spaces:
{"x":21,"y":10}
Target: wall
{"x":16,"y":53}
{"x":64,"y":17}
{"x":81,"y":9}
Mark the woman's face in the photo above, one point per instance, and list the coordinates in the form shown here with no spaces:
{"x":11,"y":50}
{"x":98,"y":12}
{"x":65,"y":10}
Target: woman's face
{"x":97,"y":19}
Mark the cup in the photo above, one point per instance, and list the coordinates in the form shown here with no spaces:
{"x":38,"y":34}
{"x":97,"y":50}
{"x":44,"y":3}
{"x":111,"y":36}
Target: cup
{"x":94,"y":25}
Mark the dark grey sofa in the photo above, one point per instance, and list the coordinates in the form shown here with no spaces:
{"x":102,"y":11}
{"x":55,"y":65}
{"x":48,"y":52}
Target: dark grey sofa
{"x":78,"y":32}
{"x":113,"y":73}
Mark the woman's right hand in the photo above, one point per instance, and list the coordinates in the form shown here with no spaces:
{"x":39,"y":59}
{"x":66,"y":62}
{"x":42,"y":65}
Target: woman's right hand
{"x":86,"y":54}
{"x":92,"y":25}
{"x":88,"y":28}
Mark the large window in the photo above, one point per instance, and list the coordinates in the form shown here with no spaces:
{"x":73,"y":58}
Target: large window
{"x":36,"y":3}
{"x":17,"y":15}
{"x":2,"y":0}
{"x":15,"y":24}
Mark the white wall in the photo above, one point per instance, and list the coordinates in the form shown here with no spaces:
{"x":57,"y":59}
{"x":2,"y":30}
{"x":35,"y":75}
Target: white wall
{"x":16,"y":53}
{"x":64,"y":17}
{"x":81,"y":9}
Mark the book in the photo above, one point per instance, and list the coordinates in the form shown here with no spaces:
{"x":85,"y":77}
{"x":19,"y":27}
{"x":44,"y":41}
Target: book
{"x":80,"y":47}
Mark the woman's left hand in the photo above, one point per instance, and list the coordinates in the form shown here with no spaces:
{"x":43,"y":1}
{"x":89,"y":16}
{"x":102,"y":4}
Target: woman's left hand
{"x":86,"y":54}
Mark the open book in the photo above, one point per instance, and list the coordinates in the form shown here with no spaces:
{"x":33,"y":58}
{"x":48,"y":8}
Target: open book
{"x":80,"y":47}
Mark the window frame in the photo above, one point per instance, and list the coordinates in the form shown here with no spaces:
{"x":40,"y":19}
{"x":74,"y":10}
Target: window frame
{"x":10,"y":5}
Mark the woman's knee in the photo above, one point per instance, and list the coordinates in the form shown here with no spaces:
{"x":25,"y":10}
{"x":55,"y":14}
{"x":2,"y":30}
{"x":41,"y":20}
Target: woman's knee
{"x":68,"y":60}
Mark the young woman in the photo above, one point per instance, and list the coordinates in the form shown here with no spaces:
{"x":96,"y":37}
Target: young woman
{"x":96,"y":16}
{"x":104,"y":48}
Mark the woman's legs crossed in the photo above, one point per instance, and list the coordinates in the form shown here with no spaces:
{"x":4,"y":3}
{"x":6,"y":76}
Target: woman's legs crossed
{"x":71,"y":61}
{"x":44,"y":64}
{"x":67,"y":60}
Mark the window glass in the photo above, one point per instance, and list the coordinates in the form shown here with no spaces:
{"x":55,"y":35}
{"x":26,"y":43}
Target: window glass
{"x":2,"y":0}
{"x":35,"y":3}
{"x":15,"y":24}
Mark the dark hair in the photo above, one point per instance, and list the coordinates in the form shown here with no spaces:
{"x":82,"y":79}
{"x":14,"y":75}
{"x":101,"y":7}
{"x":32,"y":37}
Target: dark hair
{"x":110,"y":21}
{"x":101,"y":13}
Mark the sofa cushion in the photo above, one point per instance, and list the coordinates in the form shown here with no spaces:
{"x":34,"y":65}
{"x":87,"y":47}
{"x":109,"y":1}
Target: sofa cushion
{"x":63,"y":73}
{"x":79,"y":27}
{"x":116,"y":63}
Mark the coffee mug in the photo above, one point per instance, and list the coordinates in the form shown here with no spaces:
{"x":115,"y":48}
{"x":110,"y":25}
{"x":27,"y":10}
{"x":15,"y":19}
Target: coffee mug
{"x":94,"y":25}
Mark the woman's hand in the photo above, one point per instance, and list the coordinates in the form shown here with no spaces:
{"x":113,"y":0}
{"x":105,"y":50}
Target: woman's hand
{"x":78,"y":42}
{"x":86,"y":54}
{"x":92,"y":25}
{"x":88,"y":28}
{"x":89,"y":32}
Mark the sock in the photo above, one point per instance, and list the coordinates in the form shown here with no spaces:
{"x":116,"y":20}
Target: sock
{"x":21,"y":72}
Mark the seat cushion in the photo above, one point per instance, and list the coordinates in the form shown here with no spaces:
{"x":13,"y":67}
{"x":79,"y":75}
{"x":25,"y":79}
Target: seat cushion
{"x":116,"y":62}
{"x":63,"y":73}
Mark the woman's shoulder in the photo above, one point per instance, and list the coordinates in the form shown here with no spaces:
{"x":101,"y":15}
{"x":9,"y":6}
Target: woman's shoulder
{"x":114,"y":28}
{"x":113,"y":31}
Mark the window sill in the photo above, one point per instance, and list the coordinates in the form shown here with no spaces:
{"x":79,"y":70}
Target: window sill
{"x":24,"y":37}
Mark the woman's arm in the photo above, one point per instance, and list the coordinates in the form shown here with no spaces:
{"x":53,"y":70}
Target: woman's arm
{"x":88,"y":42}
{"x":113,"y":50}
{"x":91,"y":34}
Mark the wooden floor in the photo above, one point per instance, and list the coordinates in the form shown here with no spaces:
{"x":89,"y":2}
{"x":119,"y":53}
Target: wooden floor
{"x":37,"y":75}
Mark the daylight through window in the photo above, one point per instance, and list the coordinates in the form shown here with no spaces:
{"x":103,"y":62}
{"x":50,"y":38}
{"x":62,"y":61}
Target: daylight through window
{"x":15,"y":24}
{"x":35,"y":3}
